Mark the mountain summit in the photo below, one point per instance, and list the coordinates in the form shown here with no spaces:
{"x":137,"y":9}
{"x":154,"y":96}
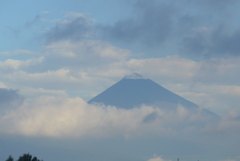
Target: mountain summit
{"x":134,"y":91}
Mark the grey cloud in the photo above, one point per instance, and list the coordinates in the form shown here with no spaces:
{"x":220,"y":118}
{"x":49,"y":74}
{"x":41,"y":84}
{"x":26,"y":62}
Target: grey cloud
{"x":9,"y":98}
{"x":150,"y":118}
{"x":196,"y":44}
{"x":151,"y":26}
{"x":226,"y":43}
{"x":73,"y":30}
{"x":158,"y":22}
{"x":215,"y":4}
{"x":216,"y":43}
{"x":156,"y":26}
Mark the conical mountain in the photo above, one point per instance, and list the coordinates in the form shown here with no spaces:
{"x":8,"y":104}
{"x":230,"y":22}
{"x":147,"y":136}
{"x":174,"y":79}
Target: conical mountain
{"x":134,"y":91}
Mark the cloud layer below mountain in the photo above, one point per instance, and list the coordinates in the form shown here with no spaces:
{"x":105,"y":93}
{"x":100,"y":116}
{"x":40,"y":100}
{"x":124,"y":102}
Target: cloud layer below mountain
{"x":50,"y":116}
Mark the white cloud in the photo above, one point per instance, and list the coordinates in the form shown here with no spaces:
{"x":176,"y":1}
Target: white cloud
{"x":45,"y":12}
{"x":50,"y":116}
{"x":11,"y":64}
{"x":2,"y":85}
{"x":157,"y":159}
{"x":217,"y":98}
{"x":87,"y":49}
{"x":177,"y":69}
{"x":171,"y":67}
{"x":230,"y":122}
{"x":19,"y":52}
{"x":30,"y":93}
{"x":75,"y":15}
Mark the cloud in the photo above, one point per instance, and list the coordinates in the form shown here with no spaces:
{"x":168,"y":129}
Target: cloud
{"x":230,"y":122}
{"x":159,"y":27}
{"x":156,"y":159}
{"x":210,"y":43}
{"x":77,"y":29}
{"x":88,"y":67}
{"x":194,"y":80}
{"x":74,"y":15}
{"x":226,"y":43}
{"x":45,"y":12}
{"x":86,"y":49}
{"x":53,"y":122}
{"x":19,"y":52}
{"x":217,"y":70}
{"x":215,"y":4}
{"x":83,"y":54}
{"x":162,"y":25}
{"x":171,"y":66}
{"x":36,"y":19}
{"x":68,"y":64}
{"x":49,"y":116}
{"x":151,"y":26}
{"x":9,"y":98}
{"x":2,"y":85}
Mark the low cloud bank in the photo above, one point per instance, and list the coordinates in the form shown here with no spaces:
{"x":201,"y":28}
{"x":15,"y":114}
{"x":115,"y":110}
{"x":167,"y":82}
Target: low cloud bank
{"x":50,"y":116}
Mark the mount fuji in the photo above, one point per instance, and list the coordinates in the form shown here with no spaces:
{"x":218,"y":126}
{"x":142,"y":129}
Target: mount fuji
{"x":133,"y":91}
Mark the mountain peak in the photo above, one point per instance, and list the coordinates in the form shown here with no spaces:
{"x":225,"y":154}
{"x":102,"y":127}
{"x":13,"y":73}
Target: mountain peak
{"x":134,"y":76}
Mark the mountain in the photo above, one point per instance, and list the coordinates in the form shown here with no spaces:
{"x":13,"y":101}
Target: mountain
{"x":134,"y":91}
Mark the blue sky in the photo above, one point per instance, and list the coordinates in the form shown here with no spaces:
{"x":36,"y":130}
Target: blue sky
{"x":57,"y":55}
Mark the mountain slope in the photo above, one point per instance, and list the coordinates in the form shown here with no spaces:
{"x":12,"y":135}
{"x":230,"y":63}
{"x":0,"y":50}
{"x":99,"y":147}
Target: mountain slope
{"x":130,"y":93}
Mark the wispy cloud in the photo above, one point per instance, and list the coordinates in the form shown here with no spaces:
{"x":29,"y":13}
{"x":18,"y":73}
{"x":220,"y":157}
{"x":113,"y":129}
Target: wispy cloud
{"x":32,"y":22}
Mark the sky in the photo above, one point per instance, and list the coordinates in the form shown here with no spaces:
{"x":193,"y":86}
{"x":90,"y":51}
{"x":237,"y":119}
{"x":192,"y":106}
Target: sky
{"x":57,"y":55}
